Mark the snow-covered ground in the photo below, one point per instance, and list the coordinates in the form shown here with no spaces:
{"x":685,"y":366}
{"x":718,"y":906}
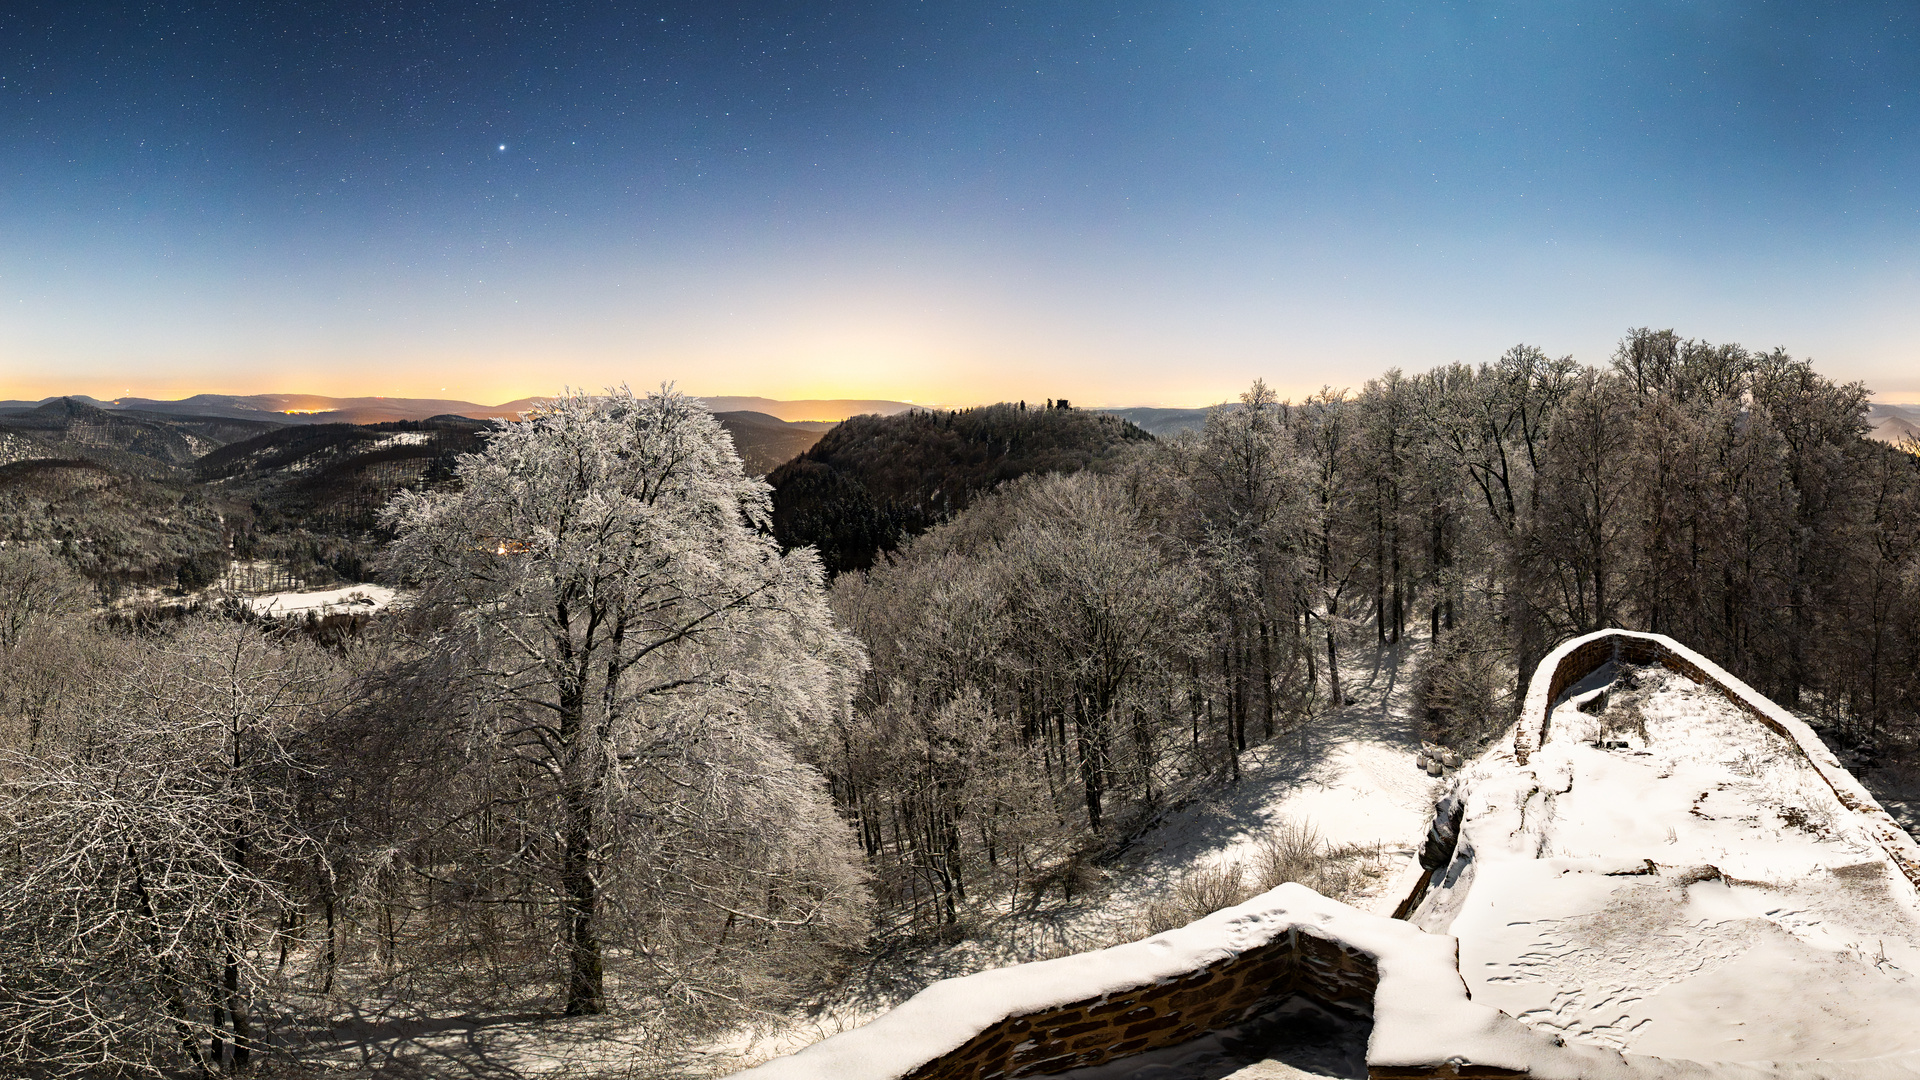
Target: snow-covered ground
{"x":1352,"y":775}
{"x":402,"y":438}
{"x":1669,"y":877}
{"x":360,"y":599}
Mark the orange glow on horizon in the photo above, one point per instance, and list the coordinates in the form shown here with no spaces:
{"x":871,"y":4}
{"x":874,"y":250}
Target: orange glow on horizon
{"x":938,"y":386}
{"x":927,"y":389}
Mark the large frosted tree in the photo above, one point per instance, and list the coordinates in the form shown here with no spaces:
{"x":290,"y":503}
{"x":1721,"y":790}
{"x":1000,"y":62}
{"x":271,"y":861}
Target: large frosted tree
{"x":643,"y":653}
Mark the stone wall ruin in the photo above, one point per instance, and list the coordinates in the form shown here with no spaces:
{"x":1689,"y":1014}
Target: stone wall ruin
{"x":1047,"y":1017}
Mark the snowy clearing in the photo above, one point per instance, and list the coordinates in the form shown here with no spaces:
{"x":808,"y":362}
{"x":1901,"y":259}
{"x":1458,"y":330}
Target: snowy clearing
{"x":403,"y":438}
{"x":356,"y":599}
{"x":1352,"y":774}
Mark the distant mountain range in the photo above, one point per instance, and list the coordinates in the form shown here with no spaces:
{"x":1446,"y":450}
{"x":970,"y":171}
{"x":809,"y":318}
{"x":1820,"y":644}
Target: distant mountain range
{"x":835,"y":409}
{"x":1894,"y":423}
{"x":295,"y":408}
{"x":317,"y":409}
{"x":765,"y":416}
{"x":151,"y":437}
{"x":766,"y":431}
{"x":1164,"y":422}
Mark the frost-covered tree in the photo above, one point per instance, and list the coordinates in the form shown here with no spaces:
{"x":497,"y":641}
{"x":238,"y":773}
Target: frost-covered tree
{"x":643,"y":655}
{"x":1099,"y":611}
{"x":1240,"y":504}
{"x":148,"y":857}
{"x":35,"y":589}
{"x":1584,"y":499}
{"x":1329,"y":421}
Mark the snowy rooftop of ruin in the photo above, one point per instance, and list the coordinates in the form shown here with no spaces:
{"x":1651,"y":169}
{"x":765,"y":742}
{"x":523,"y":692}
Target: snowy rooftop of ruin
{"x":1667,"y":876}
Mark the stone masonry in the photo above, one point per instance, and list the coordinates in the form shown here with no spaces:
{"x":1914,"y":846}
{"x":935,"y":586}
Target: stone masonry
{"x":1116,"y":1025}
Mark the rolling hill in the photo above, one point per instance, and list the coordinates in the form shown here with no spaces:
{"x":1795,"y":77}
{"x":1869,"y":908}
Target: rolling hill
{"x":873,"y":481}
{"x":129,"y":439}
{"x":142,"y":497}
{"x":1894,"y":423}
{"x":766,"y":432}
{"x":319,"y":409}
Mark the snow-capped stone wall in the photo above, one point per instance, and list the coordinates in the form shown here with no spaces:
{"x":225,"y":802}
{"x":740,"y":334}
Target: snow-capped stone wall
{"x":1047,"y":1017}
{"x":1043,"y":1018}
{"x":1580,"y":657}
{"x":1173,"y":1011}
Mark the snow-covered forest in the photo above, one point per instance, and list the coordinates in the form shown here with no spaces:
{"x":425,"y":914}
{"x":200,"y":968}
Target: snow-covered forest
{"x":621,"y":753}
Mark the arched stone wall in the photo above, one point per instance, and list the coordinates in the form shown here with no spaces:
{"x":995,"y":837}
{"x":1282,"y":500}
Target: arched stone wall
{"x":1580,"y":657}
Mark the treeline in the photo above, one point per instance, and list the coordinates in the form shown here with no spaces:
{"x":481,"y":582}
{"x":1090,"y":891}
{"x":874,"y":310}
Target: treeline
{"x":1055,"y":664}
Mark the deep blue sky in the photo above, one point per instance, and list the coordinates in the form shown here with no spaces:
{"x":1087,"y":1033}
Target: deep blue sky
{"x":948,"y":201}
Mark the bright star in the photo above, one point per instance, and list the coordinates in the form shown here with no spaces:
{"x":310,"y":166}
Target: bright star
{"x":503,"y":146}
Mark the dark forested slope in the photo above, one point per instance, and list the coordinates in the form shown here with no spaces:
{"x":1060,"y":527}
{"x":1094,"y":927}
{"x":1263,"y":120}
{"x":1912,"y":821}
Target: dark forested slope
{"x":335,"y":477}
{"x":764,"y":442}
{"x":874,"y":480}
{"x":117,"y":527}
{"x":147,"y":444}
{"x":137,"y":500}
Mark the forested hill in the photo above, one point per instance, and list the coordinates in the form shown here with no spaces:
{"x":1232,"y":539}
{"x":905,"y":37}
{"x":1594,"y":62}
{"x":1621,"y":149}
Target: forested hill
{"x":147,"y":444}
{"x":875,"y":480}
{"x":140,"y":498}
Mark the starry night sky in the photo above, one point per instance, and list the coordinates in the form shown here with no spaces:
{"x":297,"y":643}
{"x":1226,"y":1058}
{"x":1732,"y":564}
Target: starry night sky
{"x":948,"y":202}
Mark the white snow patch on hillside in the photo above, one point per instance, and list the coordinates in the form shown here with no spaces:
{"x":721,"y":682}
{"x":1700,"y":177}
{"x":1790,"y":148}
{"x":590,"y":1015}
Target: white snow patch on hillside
{"x":1668,"y":877}
{"x":361,"y":599}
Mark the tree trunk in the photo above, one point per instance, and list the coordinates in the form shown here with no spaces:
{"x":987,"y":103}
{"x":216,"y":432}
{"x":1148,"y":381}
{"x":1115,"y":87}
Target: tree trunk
{"x":1399,"y":601}
{"x":585,"y":972}
{"x":238,"y":1014}
{"x":1379,"y":572}
{"x":1334,"y":699}
{"x":182,"y":1018}
{"x":578,"y":889}
{"x":236,"y":1007}
{"x":217,"y":1020}
{"x":1089,"y":764}
{"x":333,"y":947}
{"x":1266,"y":672}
